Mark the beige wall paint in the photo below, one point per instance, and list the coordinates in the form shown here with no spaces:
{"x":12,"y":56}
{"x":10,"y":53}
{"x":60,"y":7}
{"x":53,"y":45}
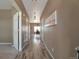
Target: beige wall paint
{"x":5,"y":26}
{"x":63,"y":37}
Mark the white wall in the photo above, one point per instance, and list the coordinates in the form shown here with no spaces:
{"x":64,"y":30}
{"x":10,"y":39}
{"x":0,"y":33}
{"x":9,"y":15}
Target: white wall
{"x":15,"y":30}
{"x":17,"y":40}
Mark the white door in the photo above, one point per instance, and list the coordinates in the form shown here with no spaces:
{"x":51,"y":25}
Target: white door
{"x":15,"y":31}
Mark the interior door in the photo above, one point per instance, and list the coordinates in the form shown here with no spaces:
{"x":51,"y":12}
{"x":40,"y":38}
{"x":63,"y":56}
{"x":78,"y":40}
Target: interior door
{"x":16,"y":31}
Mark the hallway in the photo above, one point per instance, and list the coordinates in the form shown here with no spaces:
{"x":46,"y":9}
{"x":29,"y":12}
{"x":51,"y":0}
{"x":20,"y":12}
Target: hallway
{"x":39,"y":29}
{"x":35,"y":50}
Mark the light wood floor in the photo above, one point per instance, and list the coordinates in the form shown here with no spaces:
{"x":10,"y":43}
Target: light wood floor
{"x":7,"y":52}
{"x":35,"y":50}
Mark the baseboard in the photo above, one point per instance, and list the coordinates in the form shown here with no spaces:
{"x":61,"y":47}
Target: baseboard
{"x":5,"y":43}
{"x":48,"y":50}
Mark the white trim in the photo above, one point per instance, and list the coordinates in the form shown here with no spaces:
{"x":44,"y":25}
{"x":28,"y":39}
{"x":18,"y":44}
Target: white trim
{"x":5,"y":43}
{"x":47,"y":49}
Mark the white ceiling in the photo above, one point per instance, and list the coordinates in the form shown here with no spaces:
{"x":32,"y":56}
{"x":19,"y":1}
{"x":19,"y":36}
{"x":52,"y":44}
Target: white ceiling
{"x":34,"y":8}
{"x":5,"y":4}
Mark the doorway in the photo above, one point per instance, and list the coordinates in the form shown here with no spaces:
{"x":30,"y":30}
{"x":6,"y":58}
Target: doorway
{"x":37,"y":29}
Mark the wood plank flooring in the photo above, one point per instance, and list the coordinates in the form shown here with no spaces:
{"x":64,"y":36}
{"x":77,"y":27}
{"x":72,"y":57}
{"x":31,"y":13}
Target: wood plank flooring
{"x":7,"y":52}
{"x":35,"y":50}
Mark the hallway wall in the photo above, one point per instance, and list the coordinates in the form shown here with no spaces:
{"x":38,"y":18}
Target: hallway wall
{"x":63,"y":37}
{"x":25,"y":30}
{"x":5,"y":26}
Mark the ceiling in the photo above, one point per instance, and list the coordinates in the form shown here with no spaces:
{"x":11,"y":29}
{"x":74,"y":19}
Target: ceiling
{"x":5,"y":4}
{"x":34,"y":8}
